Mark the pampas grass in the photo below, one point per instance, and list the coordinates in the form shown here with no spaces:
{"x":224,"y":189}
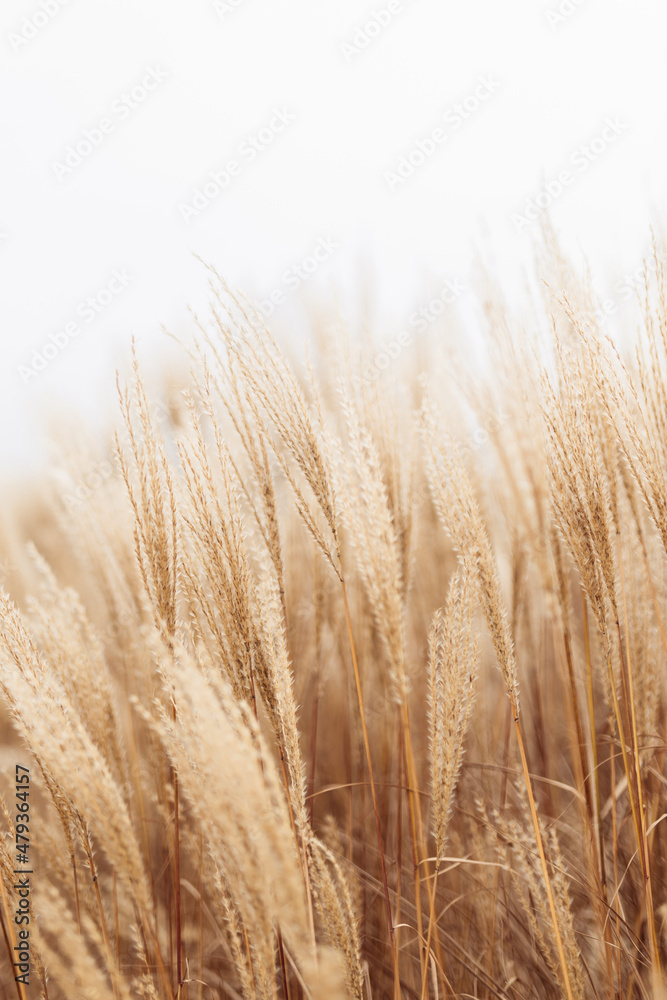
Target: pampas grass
{"x":352,"y":687}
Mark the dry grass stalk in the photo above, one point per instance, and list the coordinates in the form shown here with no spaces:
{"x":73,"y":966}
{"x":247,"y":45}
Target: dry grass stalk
{"x":221,"y":806}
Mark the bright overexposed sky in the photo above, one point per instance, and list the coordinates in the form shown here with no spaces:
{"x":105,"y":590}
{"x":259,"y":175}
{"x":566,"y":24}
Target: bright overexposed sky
{"x":400,"y":138}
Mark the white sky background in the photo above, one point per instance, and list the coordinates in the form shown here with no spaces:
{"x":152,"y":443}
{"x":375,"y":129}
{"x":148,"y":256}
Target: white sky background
{"x":323,"y":177}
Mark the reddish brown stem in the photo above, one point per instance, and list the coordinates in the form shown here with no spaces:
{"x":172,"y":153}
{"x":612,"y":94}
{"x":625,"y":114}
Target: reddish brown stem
{"x":364,"y":729}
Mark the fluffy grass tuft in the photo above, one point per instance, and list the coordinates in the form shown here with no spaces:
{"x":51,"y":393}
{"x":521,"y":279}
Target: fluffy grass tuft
{"x":352,"y":687}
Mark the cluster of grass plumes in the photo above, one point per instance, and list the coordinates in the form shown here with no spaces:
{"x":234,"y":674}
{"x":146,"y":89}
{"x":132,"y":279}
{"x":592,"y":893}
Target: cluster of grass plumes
{"x":351,"y":687}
